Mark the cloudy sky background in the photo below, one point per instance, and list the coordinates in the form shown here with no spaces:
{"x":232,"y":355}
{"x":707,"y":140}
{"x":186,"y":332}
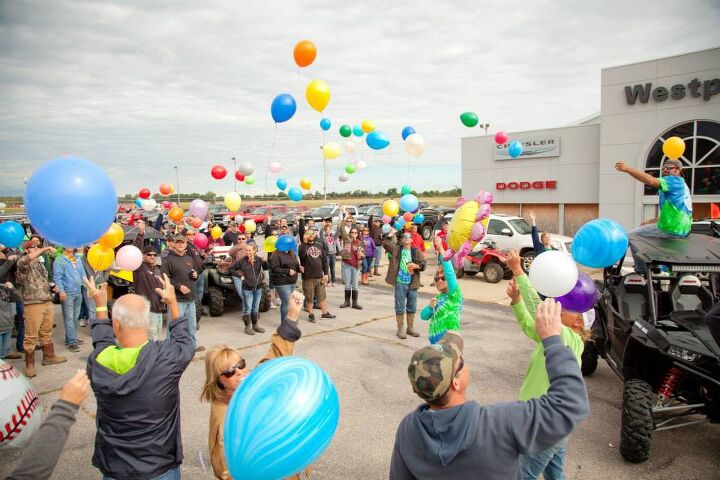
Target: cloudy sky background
{"x":140,"y":87}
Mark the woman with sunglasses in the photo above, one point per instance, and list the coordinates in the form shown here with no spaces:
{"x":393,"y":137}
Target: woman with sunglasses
{"x":225,"y":370}
{"x":352,"y":254}
{"x":444,"y":310}
{"x":250,"y":269}
{"x":369,"y":250}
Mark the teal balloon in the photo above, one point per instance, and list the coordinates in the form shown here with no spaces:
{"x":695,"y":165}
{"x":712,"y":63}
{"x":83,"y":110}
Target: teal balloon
{"x":325,"y":124}
{"x":409,"y":203}
{"x":281,"y":419}
{"x":386,"y":228}
{"x":400,"y":223}
{"x":405,"y":190}
{"x":281,"y":183}
{"x":515,"y":149}
{"x":469,"y":119}
{"x":358,"y":131}
{"x":599,"y":243}
{"x":377,"y":140}
{"x":11,"y":234}
{"x":295,"y":194}
{"x":346,"y":131}
{"x":419,"y":218}
{"x":138,"y":202}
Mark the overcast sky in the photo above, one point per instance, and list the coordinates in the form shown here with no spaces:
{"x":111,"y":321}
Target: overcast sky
{"x":140,"y":87}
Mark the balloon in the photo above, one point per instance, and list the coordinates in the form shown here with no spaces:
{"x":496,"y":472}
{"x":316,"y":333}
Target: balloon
{"x":241,"y":228}
{"x":129,"y":258}
{"x":275,"y":167}
{"x":343,"y":177}
{"x":239,"y":219}
{"x":281,"y":183}
{"x":284,"y":243}
{"x":415,"y":145}
{"x":419,"y":218}
{"x":361,"y":165}
{"x":148,"y":205}
{"x":390,"y":208}
{"x":144,"y":193}
{"x":246,"y":168}
{"x":269,"y":243}
{"x":553,"y":273}
{"x":304,"y":53}
{"x":358,"y":131}
{"x":406,"y":189}
{"x":515,"y":149}
{"x":409,"y":202}
{"x":201,"y":241}
{"x":166,"y":205}
{"x":317,"y":94}
{"x":345,"y":130}
{"x":331,"y":150}
{"x":386,"y":219}
{"x":305,"y":184}
{"x":464,"y":232}
{"x":283,"y":107}
{"x":501,"y":138}
{"x":12,"y":234}
{"x":350,"y":168}
{"x":218,"y":172}
{"x":350,"y":146}
{"x":250,"y":226}
{"x":239,"y":176}
{"x":386,"y":228}
{"x":175,"y":214}
{"x":469,"y":119}
{"x":367,"y":126}
{"x":198,"y":208}
{"x":138,"y":202}
{"x":165,"y":189}
{"x":233,"y":201}
{"x":377,"y":140}
{"x":196,"y":223}
{"x":216,"y":232}
{"x":400,"y":223}
{"x":20,"y":409}
{"x":407,"y":216}
{"x":100,"y":258}
{"x":70,"y":201}
{"x":295,"y":194}
{"x":599,"y":243}
{"x":110,"y":239}
{"x":582,"y":297}
{"x":325,"y":124}
{"x":249,"y":180}
{"x":674,"y":147}
{"x":407,"y":131}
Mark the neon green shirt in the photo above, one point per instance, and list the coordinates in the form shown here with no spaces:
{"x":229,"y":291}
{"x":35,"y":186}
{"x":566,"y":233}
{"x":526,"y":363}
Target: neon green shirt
{"x":119,"y":360}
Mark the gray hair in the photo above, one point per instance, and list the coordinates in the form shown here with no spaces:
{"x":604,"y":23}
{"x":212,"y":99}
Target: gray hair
{"x":131,"y":318}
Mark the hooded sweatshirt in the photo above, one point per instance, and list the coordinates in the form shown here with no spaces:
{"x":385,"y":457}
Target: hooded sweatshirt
{"x":473,"y":441}
{"x":178,"y":270}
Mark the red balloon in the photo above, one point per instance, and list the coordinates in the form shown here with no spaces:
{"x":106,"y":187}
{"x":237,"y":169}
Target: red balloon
{"x":200,"y":241}
{"x":242,"y":228}
{"x":196,"y":223}
{"x":501,"y":137}
{"x":144,"y":193}
{"x":240,"y":177}
{"x":218,"y":172}
{"x":408,"y":216}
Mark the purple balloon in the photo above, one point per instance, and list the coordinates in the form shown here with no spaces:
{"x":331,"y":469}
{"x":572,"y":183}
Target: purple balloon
{"x":582,"y":297}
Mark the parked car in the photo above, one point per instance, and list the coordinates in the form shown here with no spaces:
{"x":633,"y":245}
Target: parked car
{"x":332,"y":212}
{"x":262,"y":215}
{"x":365,"y":211}
{"x":222,"y":216}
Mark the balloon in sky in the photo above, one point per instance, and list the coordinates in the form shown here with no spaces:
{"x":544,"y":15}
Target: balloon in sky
{"x":343,"y":177}
{"x":12,"y":234}
{"x":144,"y":193}
{"x":218,"y":172}
{"x":176,"y":214}
{"x":138,"y":202}
{"x":331,"y":150}
{"x":281,"y":183}
{"x":469,"y":119}
{"x":350,"y":168}
{"x":345,"y":130}
{"x":358,"y":131}
{"x":232,"y":201}
{"x":391,"y":208}
{"x":239,"y":176}
{"x":377,"y":140}
{"x":515,"y":149}
{"x":674,"y":147}
{"x":325,"y":124}
{"x":304,"y":53}
{"x":405,"y":190}
{"x":246,"y":168}
{"x":350,"y":146}
{"x":165,"y":189}
{"x":275,"y":167}
{"x":599,"y":243}
{"x":501,"y":137}
{"x":283,"y":107}
{"x":409,"y":203}
{"x":198,"y":208}
{"x":367,"y":126}
{"x":295,"y":194}
{"x":407,"y":131}
{"x":305,"y":184}
{"x":361,"y":165}
{"x":249,"y":180}
{"x":317,"y":94}
{"x":415,"y":145}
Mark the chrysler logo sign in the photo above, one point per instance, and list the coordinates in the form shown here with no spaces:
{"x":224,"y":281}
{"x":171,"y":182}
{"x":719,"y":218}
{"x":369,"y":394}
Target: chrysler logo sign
{"x":539,"y":147}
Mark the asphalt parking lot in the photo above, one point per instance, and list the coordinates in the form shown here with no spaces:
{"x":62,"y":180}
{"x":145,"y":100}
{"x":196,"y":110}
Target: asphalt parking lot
{"x":368,"y":365}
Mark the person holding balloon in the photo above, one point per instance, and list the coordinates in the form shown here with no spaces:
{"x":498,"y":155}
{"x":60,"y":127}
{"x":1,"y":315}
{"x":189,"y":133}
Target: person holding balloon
{"x":68,"y":274}
{"x":406,"y":263}
{"x":444,"y":310}
{"x":331,"y":241}
{"x":352,"y":254}
{"x":284,"y":268}
{"x":369,"y":249}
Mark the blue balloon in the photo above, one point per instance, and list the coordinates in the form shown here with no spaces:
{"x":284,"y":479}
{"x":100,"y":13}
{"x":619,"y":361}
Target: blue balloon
{"x":599,"y":243}
{"x":70,"y":201}
{"x":325,"y":124}
{"x":419,"y":218}
{"x":400,"y":223}
{"x":11,"y":234}
{"x":409,"y":203}
{"x":295,"y":194}
{"x":358,"y":131}
{"x":138,"y":202}
{"x":283,"y":107}
{"x":386,"y":228}
{"x":281,"y":420}
{"x":407,"y":131}
{"x":281,"y":183}
{"x":377,"y":140}
{"x":515,"y":149}
{"x":285,"y":243}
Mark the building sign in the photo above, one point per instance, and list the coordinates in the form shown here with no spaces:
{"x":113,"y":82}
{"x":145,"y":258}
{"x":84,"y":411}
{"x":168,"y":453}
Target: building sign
{"x":541,"y":147}
{"x":695,"y":88}
{"x":536,"y":185}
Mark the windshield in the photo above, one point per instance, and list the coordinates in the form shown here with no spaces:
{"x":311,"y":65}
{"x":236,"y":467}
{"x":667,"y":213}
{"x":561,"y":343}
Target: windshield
{"x":521,"y":226}
{"x":260,"y":211}
{"x":323,"y":212}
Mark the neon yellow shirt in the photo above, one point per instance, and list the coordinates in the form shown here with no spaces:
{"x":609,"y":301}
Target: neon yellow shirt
{"x":119,"y":360}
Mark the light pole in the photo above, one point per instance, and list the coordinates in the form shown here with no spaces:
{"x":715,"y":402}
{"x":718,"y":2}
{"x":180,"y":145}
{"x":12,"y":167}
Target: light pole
{"x":235,"y":171}
{"x":485,"y":127}
{"x":177,"y":182}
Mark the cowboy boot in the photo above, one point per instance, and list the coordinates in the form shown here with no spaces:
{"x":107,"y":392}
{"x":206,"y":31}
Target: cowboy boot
{"x":347,"y":299}
{"x":49,"y":357}
{"x":375,"y":271}
{"x":248,"y":328}
{"x":30,"y":363}
{"x":355,"y":303}
{"x":255,"y":316}
{"x":410,"y":321}
{"x":400,"y":319}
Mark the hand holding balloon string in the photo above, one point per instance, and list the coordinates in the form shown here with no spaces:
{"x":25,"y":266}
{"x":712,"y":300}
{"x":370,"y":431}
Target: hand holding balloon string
{"x":514,"y":263}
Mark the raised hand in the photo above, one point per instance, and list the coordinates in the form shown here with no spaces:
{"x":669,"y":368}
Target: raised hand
{"x":76,"y":389}
{"x":96,"y":292}
{"x":514,"y":262}
{"x":547,"y":320}
{"x":513,"y":292}
{"x":167,"y":292}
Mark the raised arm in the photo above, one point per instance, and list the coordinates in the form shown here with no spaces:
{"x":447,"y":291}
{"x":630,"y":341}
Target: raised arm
{"x":523,"y":317}
{"x":641,"y":176}
{"x":283,"y":340}
{"x":528,"y":292}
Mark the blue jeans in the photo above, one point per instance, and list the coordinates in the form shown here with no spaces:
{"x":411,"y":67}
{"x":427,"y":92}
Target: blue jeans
{"x":331,"y":266}
{"x":173,"y":474}
{"x":155,"y":326}
{"x":651,"y":230}
{"x":5,"y":341}
{"x":284,"y":292}
{"x":405,"y":298}
{"x":90,"y":303}
{"x":187,"y":310}
{"x":378,"y":255}
{"x":200,"y":287}
{"x":549,"y":463}
{"x":251,"y":300}
{"x":71,"y":313}
{"x":350,"y":277}
{"x":237,"y":283}
{"x":20,"y":320}
{"x":367,"y":264}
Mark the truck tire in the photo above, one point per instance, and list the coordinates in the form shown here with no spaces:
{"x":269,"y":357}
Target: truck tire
{"x":493,"y":272}
{"x":265,"y":298}
{"x":426,"y":231}
{"x":589,"y":359}
{"x":217,"y":302}
{"x":526,"y":260}
{"x":637,"y":421}
{"x":459,"y":273}
{"x":260,"y":230}
{"x":198,"y":312}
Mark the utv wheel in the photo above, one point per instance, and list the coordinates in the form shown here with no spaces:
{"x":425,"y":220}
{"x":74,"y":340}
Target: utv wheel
{"x":637,"y":421}
{"x":493,"y":272}
{"x":589,"y":359}
{"x":508,"y":274}
{"x":265,"y":298}
{"x":198,"y":312}
{"x":427,"y":232}
{"x":217,"y":302}
{"x":526,"y":260}
{"x":260,"y":230}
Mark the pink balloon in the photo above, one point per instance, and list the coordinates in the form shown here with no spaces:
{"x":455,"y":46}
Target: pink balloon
{"x":484,"y":197}
{"x":448,"y":254}
{"x":198,"y":208}
{"x":477,"y":233}
{"x":166,"y":204}
{"x":128,"y":258}
{"x":275,"y":167}
{"x":201,"y":241}
{"x":483,"y":212}
{"x":501,"y":137}
{"x":386,"y":219}
{"x":460,"y":202}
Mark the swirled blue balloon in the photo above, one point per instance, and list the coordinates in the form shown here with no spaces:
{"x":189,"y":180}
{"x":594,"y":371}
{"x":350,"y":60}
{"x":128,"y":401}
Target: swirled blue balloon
{"x":281,"y":419}
{"x":599,"y":243}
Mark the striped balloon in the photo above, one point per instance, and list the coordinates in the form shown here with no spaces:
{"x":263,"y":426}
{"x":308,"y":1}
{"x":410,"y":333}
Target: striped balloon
{"x":280,"y":420}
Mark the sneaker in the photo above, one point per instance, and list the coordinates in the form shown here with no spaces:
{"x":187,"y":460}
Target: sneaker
{"x":332,"y":284}
{"x":327,"y":315}
{"x":74,"y":348}
{"x":311,"y":317}
{"x":83,"y":322}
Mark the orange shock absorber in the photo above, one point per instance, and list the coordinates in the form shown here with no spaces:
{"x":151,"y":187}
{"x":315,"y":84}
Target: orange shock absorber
{"x":669,"y":384}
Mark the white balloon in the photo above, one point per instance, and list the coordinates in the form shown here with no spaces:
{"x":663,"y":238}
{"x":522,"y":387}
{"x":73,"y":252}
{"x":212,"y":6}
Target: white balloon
{"x":350,"y":146}
{"x":149,"y":204}
{"x":361,"y":165}
{"x":20,"y":409}
{"x":275,"y":167}
{"x":344,"y":177}
{"x":415,"y":145}
{"x":239,"y":219}
{"x":553,"y":273}
{"x":246,"y":168}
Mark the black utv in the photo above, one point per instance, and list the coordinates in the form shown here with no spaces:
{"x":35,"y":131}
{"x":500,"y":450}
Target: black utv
{"x":650,"y":327}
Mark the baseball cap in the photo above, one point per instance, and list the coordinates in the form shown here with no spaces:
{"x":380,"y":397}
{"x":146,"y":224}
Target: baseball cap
{"x":671,"y":162}
{"x":149,"y":249}
{"x":432,"y":368}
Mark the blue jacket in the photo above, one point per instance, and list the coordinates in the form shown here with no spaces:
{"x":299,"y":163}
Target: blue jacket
{"x":68,"y":277}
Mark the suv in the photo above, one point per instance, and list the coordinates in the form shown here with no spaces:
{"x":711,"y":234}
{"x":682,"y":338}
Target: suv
{"x":651,"y":330}
{"x":263,"y":214}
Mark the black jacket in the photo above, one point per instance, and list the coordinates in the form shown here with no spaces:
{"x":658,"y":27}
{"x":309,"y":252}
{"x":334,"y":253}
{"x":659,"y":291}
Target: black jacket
{"x":252,"y":275}
{"x":198,"y":260}
{"x":313,"y":258}
{"x":178,"y":269}
{"x":145,"y":280}
{"x":280,"y":265}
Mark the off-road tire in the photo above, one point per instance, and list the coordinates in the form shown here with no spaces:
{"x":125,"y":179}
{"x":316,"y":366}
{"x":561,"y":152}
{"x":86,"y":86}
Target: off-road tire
{"x":637,"y":421}
{"x":508,"y":274}
{"x":589,"y":359}
{"x":493,"y":272}
{"x":265,"y":298}
{"x":526,"y":260}
{"x":198,"y":312}
{"x":216,"y":303}
{"x":426,"y":232}
{"x":260,"y":229}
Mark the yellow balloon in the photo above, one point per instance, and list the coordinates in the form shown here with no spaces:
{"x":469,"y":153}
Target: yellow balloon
{"x":674,"y":147}
{"x":113,"y":237}
{"x":331,"y":150}
{"x":100,"y":257}
{"x":233,"y":201}
{"x":216,"y":232}
{"x":462,"y":224}
{"x":367,"y":126}
{"x":250,"y":226}
{"x":305,"y":184}
{"x":391,"y":208}
{"x":317,"y":94}
{"x":269,"y":244}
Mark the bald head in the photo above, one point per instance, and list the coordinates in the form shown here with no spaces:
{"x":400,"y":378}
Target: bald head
{"x":131,"y":312}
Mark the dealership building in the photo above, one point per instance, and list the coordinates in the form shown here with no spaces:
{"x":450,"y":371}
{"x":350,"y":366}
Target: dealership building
{"x":567,"y":175}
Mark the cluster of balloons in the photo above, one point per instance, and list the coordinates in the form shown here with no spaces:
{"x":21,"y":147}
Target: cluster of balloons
{"x":102,"y":254}
{"x":468,"y":226}
{"x":409,"y":204}
{"x":414,"y":143}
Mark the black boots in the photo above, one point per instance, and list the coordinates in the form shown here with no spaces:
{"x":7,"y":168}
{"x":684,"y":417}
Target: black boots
{"x":347,"y":300}
{"x":355,"y":304}
{"x":248,"y":328}
{"x":254,"y":316}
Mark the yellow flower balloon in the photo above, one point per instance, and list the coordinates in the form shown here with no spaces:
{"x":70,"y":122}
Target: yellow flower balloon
{"x":391,"y":208}
{"x":462,"y":224}
{"x":100,"y":257}
{"x":674,"y":147}
{"x":113,"y":237}
{"x":305,"y":184}
{"x":233,"y":201}
{"x":367,"y":126}
{"x":331,"y":150}
{"x":216,"y":232}
{"x":317,"y":94}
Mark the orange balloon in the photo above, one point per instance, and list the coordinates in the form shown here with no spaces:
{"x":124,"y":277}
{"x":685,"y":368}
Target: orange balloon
{"x":304,"y":53}
{"x":196,"y":222}
{"x":165,"y":189}
{"x":408,"y":216}
{"x":175,"y":214}
{"x":113,"y":237}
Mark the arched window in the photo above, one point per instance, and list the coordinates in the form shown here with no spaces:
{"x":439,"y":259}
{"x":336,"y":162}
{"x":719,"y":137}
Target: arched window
{"x":701,"y":160}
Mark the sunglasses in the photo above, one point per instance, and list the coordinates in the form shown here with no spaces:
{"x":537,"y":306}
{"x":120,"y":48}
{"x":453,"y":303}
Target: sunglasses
{"x":231,"y":371}
{"x":439,"y":278}
{"x":151,"y":254}
{"x":671,"y":167}
{"x":241,"y":238}
{"x":407,"y":236}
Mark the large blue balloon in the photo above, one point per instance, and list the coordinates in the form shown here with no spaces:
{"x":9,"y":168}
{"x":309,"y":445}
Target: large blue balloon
{"x":11,"y":234}
{"x":285,"y":243}
{"x":358,"y":131}
{"x":409,"y":203}
{"x":325,"y":124}
{"x":407,"y":131}
{"x":377,"y":140}
{"x":599,"y":243}
{"x":281,"y":183}
{"x":295,"y":194}
{"x":515,"y":149}
{"x":283,"y":107}
{"x":70,"y":201}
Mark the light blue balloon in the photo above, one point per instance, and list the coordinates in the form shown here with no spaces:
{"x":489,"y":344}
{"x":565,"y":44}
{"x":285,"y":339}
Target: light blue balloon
{"x":419,"y":218}
{"x":281,"y":183}
{"x":377,"y":140}
{"x":138,"y":202}
{"x":285,"y":243}
{"x":409,"y":203}
{"x":358,"y":131}
{"x":11,"y":234}
{"x":599,"y":243}
{"x":295,"y":194}
{"x":407,"y":131}
{"x":283,"y":107}
{"x":325,"y":124}
{"x":515,"y":149}
{"x":281,"y":420}
{"x":400,"y":223}
{"x":386,"y":228}
{"x":70,"y":201}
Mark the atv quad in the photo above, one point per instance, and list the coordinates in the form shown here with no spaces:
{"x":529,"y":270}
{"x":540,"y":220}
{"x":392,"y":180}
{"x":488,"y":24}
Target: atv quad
{"x":650,"y":328}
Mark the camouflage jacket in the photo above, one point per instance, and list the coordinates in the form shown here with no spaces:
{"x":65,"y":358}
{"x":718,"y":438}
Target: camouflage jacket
{"x":32,"y":277}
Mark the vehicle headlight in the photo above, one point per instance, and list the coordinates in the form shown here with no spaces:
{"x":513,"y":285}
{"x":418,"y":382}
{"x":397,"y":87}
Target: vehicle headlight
{"x":683,"y":353}
{"x":225,"y":280}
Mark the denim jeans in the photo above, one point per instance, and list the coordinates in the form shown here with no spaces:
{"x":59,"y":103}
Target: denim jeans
{"x":90,"y":303}
{"x":651,"y":230}
{"x":173,"y":474}
{"x":71,"y":313}
{"x":378,"y":255}
{"x":405,"y":298}
{"x":20,"y":321}
{"x":284,"y":292}
{"x":350,"y":277}
{"x":155,"y":326}
{"x":331,"y":266}
{"x":251,"y":300}
{"x":367,"y":264}
{"x":5,"y":341}
{"x":549,"y":463}
{"x":187,"y":310}
{"x":237,"y":283}
{"x":200,"y":287}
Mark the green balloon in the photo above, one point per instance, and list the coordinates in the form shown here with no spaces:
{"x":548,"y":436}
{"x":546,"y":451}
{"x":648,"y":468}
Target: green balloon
{"x":350,"y":168}
{"x":345,"y":130}
{"x":249,"y":180}
{"x":405,"y":190}
{"x":469,"y":119}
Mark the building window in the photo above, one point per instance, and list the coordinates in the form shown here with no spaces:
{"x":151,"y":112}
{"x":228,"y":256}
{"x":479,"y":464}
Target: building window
{"x":701,"y":160}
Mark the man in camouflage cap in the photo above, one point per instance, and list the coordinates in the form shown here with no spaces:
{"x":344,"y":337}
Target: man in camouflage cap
{"x":433,"y":368}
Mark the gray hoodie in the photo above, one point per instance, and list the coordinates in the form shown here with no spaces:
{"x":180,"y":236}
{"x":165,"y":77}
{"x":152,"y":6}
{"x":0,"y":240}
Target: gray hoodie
{"x":485,"y":441}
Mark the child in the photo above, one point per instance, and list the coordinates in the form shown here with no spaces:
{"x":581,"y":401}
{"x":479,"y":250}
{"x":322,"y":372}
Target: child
{"x":444,"y":310}
{"x":8,"y":297}
{"x":369,"y":244}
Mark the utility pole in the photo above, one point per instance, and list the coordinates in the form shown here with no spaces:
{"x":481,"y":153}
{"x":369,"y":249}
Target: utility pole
{"x":177,"y":182}
{"x":485,"y":127}
{"x":235,"y":172}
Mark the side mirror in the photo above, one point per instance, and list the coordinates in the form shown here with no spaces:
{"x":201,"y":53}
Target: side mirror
{"x":507,"y":232}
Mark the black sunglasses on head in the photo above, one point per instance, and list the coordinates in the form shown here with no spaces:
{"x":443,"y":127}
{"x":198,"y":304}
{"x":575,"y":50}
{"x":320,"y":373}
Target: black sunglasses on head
{"x":231,"y":371}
